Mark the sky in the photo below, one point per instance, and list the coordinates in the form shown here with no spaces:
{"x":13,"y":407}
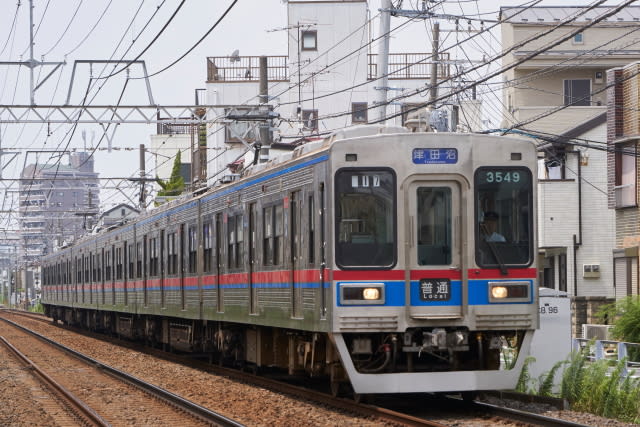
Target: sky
{"x":69,"y":30}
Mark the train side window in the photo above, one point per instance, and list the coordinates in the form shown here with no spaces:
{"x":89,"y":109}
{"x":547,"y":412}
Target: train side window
{"x":267,"y":232}
{"x":192,"y":247}
{"x":118,"y":263}
{"x":206,"y":244}
{"x":153,"y":256}
{"x":130,"y":274}
{"x":239,"y":250}
{"x":365,"y":218}
{"x":87,"y":269}
{"x":171,"y":253}
{"x":107,"y":265}
{"x":139,"y":257}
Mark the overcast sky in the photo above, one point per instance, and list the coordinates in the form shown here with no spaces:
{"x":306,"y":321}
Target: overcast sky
{"x":61,"y":36}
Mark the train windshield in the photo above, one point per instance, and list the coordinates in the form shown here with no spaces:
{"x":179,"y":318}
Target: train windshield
{"x":365,"y":218}
{"x":504,"y":217}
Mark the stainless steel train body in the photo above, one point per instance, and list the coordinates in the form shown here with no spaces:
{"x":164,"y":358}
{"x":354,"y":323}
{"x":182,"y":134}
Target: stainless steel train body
{"x":396,"y":261}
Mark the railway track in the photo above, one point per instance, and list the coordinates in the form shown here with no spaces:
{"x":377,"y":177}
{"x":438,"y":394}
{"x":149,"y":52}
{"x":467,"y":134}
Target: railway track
{"x":100,"y":395}
{"x":402,"y":416}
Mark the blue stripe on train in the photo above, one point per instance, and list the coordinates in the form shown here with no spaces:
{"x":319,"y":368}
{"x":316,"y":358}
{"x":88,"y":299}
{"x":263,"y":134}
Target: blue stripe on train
{"x":395,"y":294}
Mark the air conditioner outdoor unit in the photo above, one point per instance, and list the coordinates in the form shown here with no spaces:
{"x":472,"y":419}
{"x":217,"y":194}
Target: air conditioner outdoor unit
{"x":596,"y":332}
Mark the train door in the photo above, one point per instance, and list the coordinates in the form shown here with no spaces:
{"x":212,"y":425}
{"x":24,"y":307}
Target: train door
{"x":145,"y":260}
{"x":126,"y":272}
{"x":162,"y":272}
{"x":434,"y":259}
{"x":218,"y":262}
{"x":253,"y":297}
{"x":296,"y":285}
{"x":181,"y":265}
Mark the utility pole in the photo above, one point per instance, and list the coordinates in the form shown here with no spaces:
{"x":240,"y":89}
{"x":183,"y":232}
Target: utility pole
{"x":433,"y":89}
{"x":265,"y":128}
{"x":383,"y":61}
{"x":143,"y":198}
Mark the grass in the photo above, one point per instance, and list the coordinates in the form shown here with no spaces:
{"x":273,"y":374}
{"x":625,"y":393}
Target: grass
{"x":596,"y":387}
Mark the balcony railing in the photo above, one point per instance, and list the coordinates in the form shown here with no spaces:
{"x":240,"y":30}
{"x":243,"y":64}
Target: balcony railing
{"x":406,"y":66}
{"x":245,"y":69}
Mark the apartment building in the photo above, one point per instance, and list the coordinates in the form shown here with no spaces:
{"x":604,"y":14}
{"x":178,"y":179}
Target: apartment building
{"x":559,"y":97}
{"x":623,"y":138}
{"x":326,"y":81}
{"x":58,"y":203}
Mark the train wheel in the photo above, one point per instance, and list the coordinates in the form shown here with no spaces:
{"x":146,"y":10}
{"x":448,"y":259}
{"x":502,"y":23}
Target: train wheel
{"x":336,"y":388}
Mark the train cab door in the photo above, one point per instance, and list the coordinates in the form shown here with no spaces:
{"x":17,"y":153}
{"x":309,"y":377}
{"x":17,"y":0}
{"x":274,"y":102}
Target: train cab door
{"x":434,"y":256}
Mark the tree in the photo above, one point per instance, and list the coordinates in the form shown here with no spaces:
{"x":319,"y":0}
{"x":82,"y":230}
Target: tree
{"x":174,"y":186}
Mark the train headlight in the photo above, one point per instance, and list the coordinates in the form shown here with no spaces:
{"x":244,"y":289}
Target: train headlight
{"x":371,"y":293}
{"x":362,"y":293}
{"x":507,"y":292}
{"x":498,"y":292}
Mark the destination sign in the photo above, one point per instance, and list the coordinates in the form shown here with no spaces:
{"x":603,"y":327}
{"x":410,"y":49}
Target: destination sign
{"x":434,"y":156}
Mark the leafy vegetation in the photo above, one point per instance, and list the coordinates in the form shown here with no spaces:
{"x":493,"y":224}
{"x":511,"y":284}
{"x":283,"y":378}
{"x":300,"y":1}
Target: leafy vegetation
{"x":625,"y":316}
{"x":175,"y":185}
{"x":599,"y":387}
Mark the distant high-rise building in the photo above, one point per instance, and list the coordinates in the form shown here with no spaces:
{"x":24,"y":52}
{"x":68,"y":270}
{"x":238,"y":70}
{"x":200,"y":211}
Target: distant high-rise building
{"x":58,"y":203}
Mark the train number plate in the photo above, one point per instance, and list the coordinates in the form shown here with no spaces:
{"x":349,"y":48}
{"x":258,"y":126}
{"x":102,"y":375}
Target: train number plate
{"x":435,"y":289}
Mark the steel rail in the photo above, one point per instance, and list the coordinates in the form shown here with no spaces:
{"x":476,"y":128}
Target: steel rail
{"x":179,"y":402}
{"x":77,"y":406}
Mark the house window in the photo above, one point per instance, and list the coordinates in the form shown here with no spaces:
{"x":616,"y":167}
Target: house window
{"x":309,"y":40}
{"x":359,"y":112}
{"x":625,"y":170}
{"x":310,"y":119}
{"x":578,"y":39}
{"x":577,"y":92}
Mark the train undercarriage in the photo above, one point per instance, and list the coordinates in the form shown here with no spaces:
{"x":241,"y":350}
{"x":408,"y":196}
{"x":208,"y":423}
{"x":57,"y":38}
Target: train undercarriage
{"x":339,"y":357}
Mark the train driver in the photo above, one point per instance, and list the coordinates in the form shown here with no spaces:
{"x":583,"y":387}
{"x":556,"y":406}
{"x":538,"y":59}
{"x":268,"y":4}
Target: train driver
{"x":489,"y":228}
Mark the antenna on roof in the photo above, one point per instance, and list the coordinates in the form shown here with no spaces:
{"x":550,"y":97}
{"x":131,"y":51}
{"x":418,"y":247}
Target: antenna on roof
{"x":235,"y":56}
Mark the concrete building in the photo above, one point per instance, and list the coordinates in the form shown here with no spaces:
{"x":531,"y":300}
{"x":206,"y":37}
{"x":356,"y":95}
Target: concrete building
{"x":165,"y":144}
{"x":325,"y":81}
{"x":58,"y":203}
{"x":623,"y":140}
{"x":560,"y":97}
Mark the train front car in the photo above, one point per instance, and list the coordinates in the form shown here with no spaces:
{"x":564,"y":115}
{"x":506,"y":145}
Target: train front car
{"x":434,"y":260}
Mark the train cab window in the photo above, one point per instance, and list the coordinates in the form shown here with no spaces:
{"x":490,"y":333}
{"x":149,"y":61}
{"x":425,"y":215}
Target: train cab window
{"x":365,"y":218}
{"x":192,"y":247}
{"x":504,"y":217}
{"x":434,"y":225}
{"x":206,"y":244}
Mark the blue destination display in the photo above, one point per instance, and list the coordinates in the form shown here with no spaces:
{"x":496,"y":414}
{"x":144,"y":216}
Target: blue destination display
{"x":431,"y":156}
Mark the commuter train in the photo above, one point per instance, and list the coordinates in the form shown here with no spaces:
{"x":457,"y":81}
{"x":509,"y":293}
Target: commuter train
{"x":394,"y":261}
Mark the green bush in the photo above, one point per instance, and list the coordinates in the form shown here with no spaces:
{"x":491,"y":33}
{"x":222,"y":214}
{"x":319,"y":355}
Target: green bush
{"x":625,"y":317}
